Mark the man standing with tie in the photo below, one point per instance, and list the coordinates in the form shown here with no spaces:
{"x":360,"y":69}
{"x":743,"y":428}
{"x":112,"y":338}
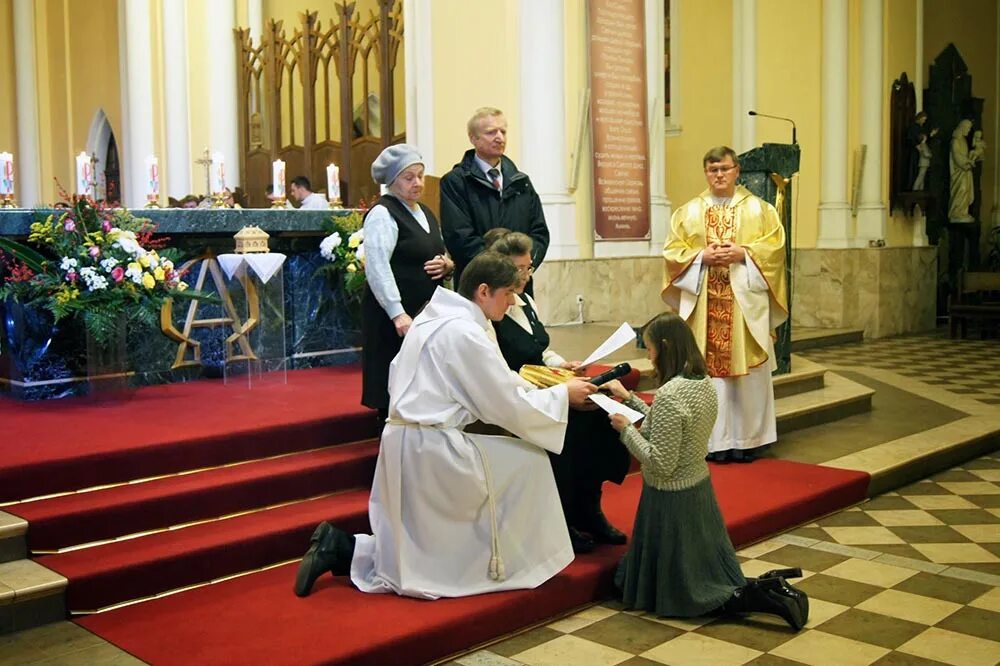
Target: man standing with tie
{"x":485,"y":191}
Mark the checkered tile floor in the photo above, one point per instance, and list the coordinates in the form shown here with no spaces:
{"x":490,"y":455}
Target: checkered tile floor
{"x":910,"y":577}
{"x":970,"y":368}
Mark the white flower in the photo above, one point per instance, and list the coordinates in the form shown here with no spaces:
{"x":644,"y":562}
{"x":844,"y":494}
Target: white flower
{"x":126,"y":241}
{"x":109,"y":264}
{"x":68,"y":263}
{"x":356,"y":239}
{"x":329,"y":244}
{"x":94,"y":280}
{"x":360,"y":253}
{"x":134,"y":273}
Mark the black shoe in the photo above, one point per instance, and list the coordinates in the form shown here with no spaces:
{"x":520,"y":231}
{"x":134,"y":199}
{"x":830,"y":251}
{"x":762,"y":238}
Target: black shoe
{"x":787,"y":574}
{"x":330,"y":550}
{"x":581,"y":542}
{"x":773,"y":596}
{"x":742,"y":456}
{"x":602,"y":531}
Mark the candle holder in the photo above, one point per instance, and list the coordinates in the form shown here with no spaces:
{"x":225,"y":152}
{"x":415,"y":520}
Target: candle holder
{"x":7,"y":201}
{"x":335,"y":203}
{"x":278,"y":202}
{"x":152,"y":201}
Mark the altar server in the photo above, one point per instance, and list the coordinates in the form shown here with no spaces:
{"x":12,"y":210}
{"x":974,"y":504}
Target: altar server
{"x":454,"y":513}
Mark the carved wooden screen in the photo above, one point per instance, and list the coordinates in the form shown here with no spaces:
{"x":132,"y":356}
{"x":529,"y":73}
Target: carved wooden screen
{"x":294,"y":104}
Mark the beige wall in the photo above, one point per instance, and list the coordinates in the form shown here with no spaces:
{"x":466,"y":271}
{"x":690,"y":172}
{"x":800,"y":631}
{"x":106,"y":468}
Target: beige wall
{"x":900,"y":56}
{"x":972,"y":26}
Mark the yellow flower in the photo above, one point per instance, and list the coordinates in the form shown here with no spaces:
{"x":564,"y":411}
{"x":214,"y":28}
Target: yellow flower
{"x":66,"y":294}
{"x":159,"y":274}
{"x":351,"y":268}
{"x":167,"y":265}
{"x":144,"y":260}
{"x":181,"y":286}
{"x":147,"y":281}
{"x":134,"y":266}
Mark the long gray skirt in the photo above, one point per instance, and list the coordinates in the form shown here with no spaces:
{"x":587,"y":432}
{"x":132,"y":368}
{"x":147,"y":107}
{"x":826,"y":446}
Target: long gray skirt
{"x":681,"y":562}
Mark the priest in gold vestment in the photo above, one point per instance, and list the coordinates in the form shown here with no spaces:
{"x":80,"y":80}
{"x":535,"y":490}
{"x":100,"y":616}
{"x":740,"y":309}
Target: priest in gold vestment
{"x":725,"y":275}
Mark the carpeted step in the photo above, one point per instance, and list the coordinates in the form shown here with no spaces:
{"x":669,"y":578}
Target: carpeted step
{"x":257,"y":620}
{"x":171,"y":428}
{"x":136,"y":568}
{"x":108,"y":513}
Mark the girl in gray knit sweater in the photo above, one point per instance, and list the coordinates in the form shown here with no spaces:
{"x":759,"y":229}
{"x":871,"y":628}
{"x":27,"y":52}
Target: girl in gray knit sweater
{"x":680,"y":562}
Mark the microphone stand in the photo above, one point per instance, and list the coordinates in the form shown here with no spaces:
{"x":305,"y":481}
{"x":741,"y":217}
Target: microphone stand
{"x":787,"y":120}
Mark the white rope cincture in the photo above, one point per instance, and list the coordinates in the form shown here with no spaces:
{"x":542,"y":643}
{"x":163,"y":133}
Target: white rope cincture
{"x":497,"y":571}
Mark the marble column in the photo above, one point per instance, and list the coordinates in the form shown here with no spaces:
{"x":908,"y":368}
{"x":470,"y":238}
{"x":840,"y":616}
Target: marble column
{"x":543,"y":107}
{"x":138,"y":76}
{"x":744,"y":73}
{"x":223,"y":122}
{"x":872,"y":214}
{"x":834,"y":211}
{"x":255,"y":19}
{"x":419,"y":78}
{"x":27,"y":174}
{"x":659,"y":204}
{"x":918,"y":66}
{"x":177,"y":158}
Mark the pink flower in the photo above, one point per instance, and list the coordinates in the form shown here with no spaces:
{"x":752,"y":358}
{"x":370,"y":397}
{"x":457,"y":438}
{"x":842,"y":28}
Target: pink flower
{"x":105,"y":226}
{"x":94,"y":251}
{"x":69,"y":225}
{"x":118,"y":274}
{"x":71,"y":276}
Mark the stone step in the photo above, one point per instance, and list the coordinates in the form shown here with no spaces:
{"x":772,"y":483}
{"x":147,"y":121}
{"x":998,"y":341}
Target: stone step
{"x":838,"y":398}
{"x":804,"y":337}
{"x":13,"y":537}
{"x":30,"y":596}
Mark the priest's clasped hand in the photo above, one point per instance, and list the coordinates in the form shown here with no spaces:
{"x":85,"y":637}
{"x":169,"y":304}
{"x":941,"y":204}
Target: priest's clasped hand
{"x":723,"y":254}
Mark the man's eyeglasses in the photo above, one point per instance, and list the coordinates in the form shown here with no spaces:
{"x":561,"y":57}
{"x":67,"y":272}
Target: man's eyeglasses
{"x":525,"y":270}
{"x":714,"y":170}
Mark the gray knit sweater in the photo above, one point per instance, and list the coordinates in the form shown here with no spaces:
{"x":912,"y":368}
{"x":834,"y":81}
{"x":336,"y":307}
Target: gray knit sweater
{"x":672,"y":444}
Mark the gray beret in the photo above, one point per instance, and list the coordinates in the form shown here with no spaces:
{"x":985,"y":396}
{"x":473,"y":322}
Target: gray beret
{"x":391,"y":162}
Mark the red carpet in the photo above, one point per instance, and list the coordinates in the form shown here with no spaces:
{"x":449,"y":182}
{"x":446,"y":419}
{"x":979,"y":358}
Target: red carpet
{"x":257,"y":620}
{"x":62,"y":445}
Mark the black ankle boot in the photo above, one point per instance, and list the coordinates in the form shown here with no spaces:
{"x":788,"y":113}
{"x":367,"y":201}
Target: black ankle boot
{"x":330,"y":550}
{"x":773,"y":596}
{"x":581,"y":542}
{"x":593,"y":521}
{"x":787,"y":574}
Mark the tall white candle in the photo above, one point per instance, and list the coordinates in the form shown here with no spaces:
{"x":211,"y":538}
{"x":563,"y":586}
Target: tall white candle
{"x":278,"y":179}
{"x":153,"y":177}
{"x":84,"y":174}
{"x":6,"y":174}
{"x":332,"y":182}
{"x":218,"y":171}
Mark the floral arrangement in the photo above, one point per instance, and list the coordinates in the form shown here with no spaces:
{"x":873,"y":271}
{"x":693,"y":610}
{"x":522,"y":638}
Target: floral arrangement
{"x":93,"y":262}
{"x":344,"y":251}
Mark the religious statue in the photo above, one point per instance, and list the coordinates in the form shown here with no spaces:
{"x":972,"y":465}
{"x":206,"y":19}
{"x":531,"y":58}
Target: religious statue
{"x":915,"y":154}
{"x":978,"y":150}
{"x":961,"y":161}
{"x":924,"y":155}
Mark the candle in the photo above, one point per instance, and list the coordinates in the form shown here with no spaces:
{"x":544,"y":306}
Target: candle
{"x":84,"y":174}
{"x":153,"y":174}
{"x":278,"y":179}
{"x":218,"y":171}
{"x":6,"y":174}
{"x":333,"y":182}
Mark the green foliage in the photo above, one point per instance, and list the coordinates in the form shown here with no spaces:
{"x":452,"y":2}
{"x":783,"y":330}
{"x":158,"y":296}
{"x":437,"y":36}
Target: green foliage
{"x":344,"y":251}
{"x":93,"y":263}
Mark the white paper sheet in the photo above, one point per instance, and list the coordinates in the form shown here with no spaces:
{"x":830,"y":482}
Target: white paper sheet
{"x":615,"y":407}
{"x":615,"y":341}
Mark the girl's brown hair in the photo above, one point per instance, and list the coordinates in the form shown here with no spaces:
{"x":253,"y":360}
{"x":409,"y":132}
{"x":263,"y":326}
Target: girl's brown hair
{"x":677,"y":352}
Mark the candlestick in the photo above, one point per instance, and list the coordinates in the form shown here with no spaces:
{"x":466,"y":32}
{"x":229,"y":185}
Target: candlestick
{"x":218,"y":173}
{"x":7,"y":181}
{"x":278,"y":184}
{"x":84,"y":174}
{"x":333,"y":185}
{"x":152,"y":182}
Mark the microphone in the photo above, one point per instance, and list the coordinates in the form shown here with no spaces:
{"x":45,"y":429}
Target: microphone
{"x":787,"y":120}
{"x":619,"y":370}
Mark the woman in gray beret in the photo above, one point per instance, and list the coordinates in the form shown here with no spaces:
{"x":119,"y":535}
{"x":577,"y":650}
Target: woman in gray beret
{"x":405,"y":261}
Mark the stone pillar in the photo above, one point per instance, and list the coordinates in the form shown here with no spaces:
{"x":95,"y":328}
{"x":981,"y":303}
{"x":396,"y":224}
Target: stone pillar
{"x":255,"y":19}
{"x":177,"y":160}
{"x":27,"y":174}
{"x":419,"y":77}
{"x":539,"y":126}
{"x":918,"y":66}
{"x":223,"y":123}
{"x":744,"y":73}
{"x":659,"y":204}
{"x":138,"y":82}
{"x":834,"y":212}
{"x":872,"y":215}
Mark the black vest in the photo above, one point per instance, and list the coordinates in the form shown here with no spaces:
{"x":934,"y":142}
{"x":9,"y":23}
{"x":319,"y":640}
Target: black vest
{"x":517,"y":345}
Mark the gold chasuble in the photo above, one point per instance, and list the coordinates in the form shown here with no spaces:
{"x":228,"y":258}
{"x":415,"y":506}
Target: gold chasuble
{"x":733,"y":309}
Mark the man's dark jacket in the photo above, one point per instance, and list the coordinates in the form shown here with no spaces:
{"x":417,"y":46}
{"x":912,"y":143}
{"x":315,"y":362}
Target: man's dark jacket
{"x":471,"y":206}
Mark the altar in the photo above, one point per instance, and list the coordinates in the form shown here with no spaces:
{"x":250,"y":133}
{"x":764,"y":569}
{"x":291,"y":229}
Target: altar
{"x":39,"y":360}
